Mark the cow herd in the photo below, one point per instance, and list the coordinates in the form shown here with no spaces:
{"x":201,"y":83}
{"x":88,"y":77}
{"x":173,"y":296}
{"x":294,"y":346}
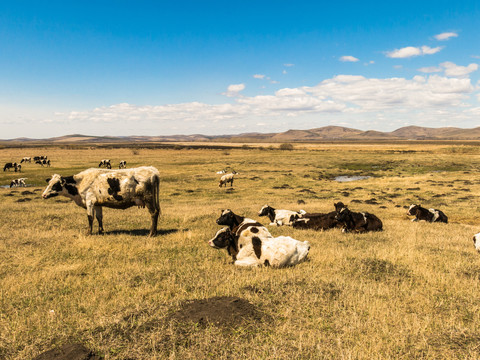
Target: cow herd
{"x":246,"y":240}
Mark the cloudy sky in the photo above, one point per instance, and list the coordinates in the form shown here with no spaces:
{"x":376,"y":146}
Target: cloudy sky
{"x":228,"y":67}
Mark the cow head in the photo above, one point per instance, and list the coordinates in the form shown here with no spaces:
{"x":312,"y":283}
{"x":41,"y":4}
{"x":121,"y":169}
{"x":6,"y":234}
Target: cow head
{"x":476,"y":242}
{"x":412,"y":210}
{"x":339,"y":206}
{"x":59,"y":185}
{"x":229,"y":218}
{"x":222,"y":239}
{"x":266,"y":210}
{"x":343,"y":214}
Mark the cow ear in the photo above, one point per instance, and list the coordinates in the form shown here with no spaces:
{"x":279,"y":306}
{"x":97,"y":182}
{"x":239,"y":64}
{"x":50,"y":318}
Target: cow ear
{"x":48,"y":180}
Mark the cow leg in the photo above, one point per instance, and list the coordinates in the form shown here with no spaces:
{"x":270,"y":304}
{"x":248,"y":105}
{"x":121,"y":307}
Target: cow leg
{"x":154,"y":213}
{"x":99,"y":216}
{"x":90,"y":213}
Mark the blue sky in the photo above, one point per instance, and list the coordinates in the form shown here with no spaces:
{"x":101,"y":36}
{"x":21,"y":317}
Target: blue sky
{"x":217,"y":67}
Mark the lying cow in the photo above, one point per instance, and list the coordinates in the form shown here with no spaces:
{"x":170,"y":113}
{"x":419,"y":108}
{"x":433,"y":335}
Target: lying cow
{"x":26,"y":159}
{"x":476,"y":242}
{"x":244,"y":228}
{"x":429,"y":215}
{"x":18,"y":182}
{"x":122,"y":165}
{"x":105,"y":163}
{"x":227,"y":178}
{"x":119,"y":189}
{"x":277,"y":252}
{"x":280,"y":217}
{"x":317,"y":221}
{"x":9,"y":166}
{"x":358,"y":222}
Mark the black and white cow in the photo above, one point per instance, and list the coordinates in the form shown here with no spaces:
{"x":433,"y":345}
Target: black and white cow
{"x":358,"y":222}
{"x":105,"y":163}
{"x":429,"y":215}
{"x":243,"y":227}
{"x":227,"y":178}
{"x":277,"y":252}
{"x":280,"y":217}
{"x":122,"y":165}
{"x":18,"y":182}
{"x":35,"y":158}
{"x":476,"y":242}
{"x":317,"y":221}
{"x":26,"y":159}
{"x":18,"y":168}
{"x":10,"y":165}
{"x":94,"y":188}
{"x":43,"y":162}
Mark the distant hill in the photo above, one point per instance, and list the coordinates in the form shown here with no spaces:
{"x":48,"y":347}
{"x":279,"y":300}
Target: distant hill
{"x":326,"y":133}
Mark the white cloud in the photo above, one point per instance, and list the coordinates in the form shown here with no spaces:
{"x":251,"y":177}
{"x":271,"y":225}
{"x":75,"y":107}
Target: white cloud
{"x":454,"y":70}
{"x":411,"y":51}
{"x":284,"y":72}
{"x":430,"y":69}
{"x":259,"y":76}
{"x":288,"y":65}
{"x":445,"y":36}
{"x":234,"y":90}
{"x":348,"y":58}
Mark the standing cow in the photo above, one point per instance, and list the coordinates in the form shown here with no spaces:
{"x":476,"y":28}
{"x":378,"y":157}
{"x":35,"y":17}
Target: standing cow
{"x":105,"y":163}
{"x":118,"y":189}
{"x":227,"y":178}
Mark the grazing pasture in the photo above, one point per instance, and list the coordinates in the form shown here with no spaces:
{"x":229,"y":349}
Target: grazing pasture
{"x":410,"y":291}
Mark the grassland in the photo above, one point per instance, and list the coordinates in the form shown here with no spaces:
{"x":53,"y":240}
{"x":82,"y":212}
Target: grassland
{"x":411,"y":291}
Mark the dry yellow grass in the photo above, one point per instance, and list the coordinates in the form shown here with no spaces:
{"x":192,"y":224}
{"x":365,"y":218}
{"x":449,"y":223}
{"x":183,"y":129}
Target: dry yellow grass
{"x":411,"y":291}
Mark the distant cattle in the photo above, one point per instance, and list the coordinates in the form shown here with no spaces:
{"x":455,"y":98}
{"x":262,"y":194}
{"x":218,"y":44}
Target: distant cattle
{"x":105,"y":163}
{"x":317,"y":221}
{"x":36,"y":158}
{"x":26,"y":159}
{"x":122,"y":165}
{"x":429,"y":215}
{"x":358,"y":222}
{"x":119,"y":189}
{"x":222,"y":172}
{"x":18,"y":168}
{"x":256,"y":251}
{"x":227,"y":178}
{"x":476,"y":242}
{"x":280,"y":217}
{"x":43,"y":162}
{"x":18,"y":182}
{"x":9,"y":166}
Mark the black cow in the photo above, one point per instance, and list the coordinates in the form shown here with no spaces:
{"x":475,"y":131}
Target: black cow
{"x":9,"y":166}
{"x":430,"y":215}
{"x":358,"y":222}
{"x":317,"y":221}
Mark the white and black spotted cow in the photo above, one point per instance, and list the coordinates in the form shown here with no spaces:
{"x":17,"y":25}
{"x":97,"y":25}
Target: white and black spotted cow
{"x":26,"y":159}
{"x":94,"y":188}
{"x":105,"y":163}
{"x":429,"y":215}
{"x":43,"y":162}
{"x":277,"y":252}
{"x":18,"y":182}
{"x":280,"y":217}
{"x":476,"y":242}
{"x":122,"y":164}
{"x":9,"y":166}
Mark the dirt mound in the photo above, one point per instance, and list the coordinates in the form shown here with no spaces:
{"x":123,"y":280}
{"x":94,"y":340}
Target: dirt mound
{"x":218,"y":311}
{"x":68,"y":352}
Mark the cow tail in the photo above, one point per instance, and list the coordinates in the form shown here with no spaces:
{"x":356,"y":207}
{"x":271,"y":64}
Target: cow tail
{"x":156,"y":195}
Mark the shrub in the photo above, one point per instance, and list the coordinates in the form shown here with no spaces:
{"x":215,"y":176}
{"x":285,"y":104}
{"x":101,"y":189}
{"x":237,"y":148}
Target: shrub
{"x":286,"y":146}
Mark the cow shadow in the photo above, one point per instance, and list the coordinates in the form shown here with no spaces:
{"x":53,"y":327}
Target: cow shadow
{"x":141,"y":232}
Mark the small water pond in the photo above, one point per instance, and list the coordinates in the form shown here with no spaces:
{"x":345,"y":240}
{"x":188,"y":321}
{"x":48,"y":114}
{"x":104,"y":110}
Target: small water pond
{"x":346,"y":178}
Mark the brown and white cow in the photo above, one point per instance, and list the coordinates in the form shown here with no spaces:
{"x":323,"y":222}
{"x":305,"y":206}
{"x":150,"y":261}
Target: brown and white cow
{"x":358,"y":222}
{"x":277,"y":252}
{"x":280,"y":217}
{"x":94,"y":188}
{"x":429,"y":215}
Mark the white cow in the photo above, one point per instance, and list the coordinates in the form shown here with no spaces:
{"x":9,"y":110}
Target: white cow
{"x":227,"y":178}
{"x":119,"y":189}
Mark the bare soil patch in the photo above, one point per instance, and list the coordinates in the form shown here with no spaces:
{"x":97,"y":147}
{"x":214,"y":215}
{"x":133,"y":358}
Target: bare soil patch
{"x":219,"y":311}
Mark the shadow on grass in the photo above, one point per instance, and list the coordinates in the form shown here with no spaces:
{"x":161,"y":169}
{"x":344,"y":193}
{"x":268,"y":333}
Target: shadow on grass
{"x":142,"y":232}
